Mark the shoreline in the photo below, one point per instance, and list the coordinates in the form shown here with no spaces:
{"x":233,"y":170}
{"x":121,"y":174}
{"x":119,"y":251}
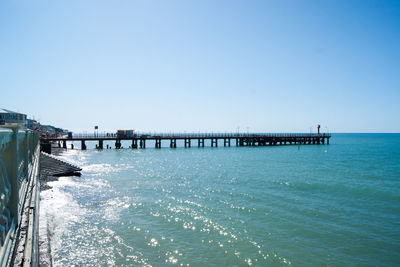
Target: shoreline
{"x":51,"y":169}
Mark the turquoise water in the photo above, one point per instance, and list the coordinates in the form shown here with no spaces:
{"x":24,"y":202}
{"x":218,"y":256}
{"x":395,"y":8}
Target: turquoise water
{"x":336,"y":205}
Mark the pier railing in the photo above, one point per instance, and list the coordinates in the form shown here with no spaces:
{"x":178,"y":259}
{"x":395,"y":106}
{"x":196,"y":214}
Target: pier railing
{"x":19,"y":173}
{"x":194,"y":135}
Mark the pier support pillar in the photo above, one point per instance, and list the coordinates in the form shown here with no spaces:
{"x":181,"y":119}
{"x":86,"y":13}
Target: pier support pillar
{"x":142,"y":143}
{"x":158,"y":143}
{"x":252,"y":142}
{"x":118,"y":144}
{"x":241,"y":142}
{"x":201,"y":142}
{"x":327,"y":141}
{"x":59,"y":144}
{"x":64,"y":144}
{"x":227,"y":141}
{"x":187,"y":142}
{"x":134,"y":143}
{"x":173,"y":143}
{"x":214,"y":141}
{"x":83,"y":145}
{"x":100,"y":144}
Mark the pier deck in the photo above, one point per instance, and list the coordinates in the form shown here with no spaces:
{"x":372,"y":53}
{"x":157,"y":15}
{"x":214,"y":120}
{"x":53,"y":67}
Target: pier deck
{"x":139,"y":140}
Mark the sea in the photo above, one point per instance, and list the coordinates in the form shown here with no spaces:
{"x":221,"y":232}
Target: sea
{"x":308,"y":205}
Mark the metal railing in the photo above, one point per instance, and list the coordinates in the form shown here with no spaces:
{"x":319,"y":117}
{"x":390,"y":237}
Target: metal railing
{"x":173,"y":135}
{"x":19,"y":156}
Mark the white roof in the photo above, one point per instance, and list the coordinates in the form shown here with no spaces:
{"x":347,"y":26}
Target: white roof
{"x":2,"y":110}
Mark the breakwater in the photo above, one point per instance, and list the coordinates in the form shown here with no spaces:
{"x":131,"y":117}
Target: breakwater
{"x":19,"y":205}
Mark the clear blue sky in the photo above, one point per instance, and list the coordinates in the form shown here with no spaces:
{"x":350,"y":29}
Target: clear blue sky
{"x":273,"y":66}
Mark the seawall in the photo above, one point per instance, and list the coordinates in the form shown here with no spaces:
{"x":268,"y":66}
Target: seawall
{"x":19,"y":197}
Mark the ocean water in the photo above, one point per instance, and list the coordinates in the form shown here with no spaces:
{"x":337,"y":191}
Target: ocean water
{"x":314,"y":205}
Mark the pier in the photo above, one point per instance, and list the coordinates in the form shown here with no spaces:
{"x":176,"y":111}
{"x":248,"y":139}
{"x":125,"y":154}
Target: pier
{"x":194,"y":139}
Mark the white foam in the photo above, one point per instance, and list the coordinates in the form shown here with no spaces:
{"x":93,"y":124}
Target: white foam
{"x":58,"y":210}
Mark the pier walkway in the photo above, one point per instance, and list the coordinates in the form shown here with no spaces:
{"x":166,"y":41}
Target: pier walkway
{"x":239,"y":139}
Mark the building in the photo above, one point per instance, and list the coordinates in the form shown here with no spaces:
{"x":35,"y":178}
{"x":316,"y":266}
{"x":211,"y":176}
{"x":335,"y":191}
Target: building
{"x":8,"y":117}
{"x":32,"y":124}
